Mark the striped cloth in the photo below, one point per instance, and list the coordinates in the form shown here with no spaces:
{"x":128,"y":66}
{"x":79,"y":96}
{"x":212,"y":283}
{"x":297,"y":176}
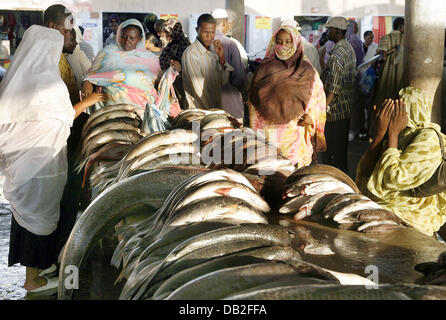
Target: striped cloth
{"x":339,"y":78}
{"x":203,"y":76}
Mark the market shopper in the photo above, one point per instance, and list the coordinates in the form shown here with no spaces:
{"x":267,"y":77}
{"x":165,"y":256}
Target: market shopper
{"x":172,"y":33}
{"x":85,"y":46}
{"x":114,"y":24}
{"x":390,"y":80}
{"x":356,"y":43}
{"x":339,"y":82}
{"x":205,"y":69}
{"x":73,"y":65}
{"x":287,"y":99}
{"x":233,"y":91}
{"x":404,"y":154}
{"x":77,"y":59}
{"x":35,"y":119}
{"x":128,"y":74}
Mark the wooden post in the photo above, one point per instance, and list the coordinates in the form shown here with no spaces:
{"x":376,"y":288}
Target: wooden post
{"x":424,"y":38}
{"x":238,"y":6}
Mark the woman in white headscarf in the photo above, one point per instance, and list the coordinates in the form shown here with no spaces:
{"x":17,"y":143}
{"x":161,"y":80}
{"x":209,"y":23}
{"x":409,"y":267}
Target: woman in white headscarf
{"x":35,"y":119}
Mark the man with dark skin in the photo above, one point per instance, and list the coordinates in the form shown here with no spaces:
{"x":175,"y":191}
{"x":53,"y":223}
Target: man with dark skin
{"x":339,"y":80}
{"x":205,"y":70}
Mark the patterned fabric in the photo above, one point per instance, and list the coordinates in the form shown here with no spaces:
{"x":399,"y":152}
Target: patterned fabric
{"x":178,"y":43}
{"x":128,"y":77}
{"x":281,"y":89}
{"x":390,"y":80}
{"x":355,"y":42}
{"x":296,"y":142}
{"x":68,"y":77}
{"x":339,"y":78}
{"x":280,"y":52}
{"x":203,"y":76}
{"x":412,"y":164}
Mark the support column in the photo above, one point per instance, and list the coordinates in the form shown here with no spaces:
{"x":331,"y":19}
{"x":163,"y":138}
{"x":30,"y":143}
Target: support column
{"x":238,"y":6}
{"x":424,"y":38}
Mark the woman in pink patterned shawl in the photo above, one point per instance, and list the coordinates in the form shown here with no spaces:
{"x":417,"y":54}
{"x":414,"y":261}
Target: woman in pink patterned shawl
{"x":130,"y":75}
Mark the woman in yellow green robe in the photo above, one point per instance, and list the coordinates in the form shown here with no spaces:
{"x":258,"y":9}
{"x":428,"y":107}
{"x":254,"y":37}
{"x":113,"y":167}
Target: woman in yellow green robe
{"x":390,"y":169}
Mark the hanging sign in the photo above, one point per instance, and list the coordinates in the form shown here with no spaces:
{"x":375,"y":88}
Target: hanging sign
{"x":168,"y":16}
{"x":263,"y":23}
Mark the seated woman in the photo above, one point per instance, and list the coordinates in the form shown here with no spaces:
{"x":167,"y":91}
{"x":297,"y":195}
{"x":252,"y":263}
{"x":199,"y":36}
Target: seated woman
{"x":130,"y":74}
{"x":407,"y":159}
{"x":287,"y":99}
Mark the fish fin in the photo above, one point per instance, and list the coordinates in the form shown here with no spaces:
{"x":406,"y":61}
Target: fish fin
{"x":223,"y":191}
{"x":302,"y":214}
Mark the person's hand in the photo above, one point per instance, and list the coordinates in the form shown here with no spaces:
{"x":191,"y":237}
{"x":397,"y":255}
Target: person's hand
{"x":220,"y":51}
{"x":382,"y":117}
{"x":305,"y":121}
{"x":176,"y":65}
{"x":399,"y":120}
{"x":95,"y":98}
{"x":87,"y":89}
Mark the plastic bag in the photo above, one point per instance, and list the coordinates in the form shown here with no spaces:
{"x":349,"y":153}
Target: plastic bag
{"x":368,"y":81}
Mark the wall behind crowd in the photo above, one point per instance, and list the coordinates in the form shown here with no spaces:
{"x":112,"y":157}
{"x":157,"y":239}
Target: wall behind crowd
{"x":89,"y":12}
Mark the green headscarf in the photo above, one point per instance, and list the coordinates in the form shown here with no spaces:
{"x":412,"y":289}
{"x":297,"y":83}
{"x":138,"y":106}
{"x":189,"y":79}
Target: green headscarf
{"x":419,"y":108}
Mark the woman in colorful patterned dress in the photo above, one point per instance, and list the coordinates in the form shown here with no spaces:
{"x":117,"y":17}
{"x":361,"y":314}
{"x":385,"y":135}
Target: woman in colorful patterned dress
{"x":130,"y":74}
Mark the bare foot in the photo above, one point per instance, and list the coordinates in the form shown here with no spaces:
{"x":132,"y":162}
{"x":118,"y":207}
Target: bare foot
{"x":35,"y":283}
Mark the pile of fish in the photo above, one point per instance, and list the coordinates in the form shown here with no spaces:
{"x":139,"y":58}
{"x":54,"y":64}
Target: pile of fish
{"x":202,"y":120}
{"x":108,"y":133}
{"x":209,"y":240}
{"x":215,"y":141}
{"x":324,"y":193}
{"x":206,"y":237}
{"x":224,"y":144}
{"x":158,"y":150}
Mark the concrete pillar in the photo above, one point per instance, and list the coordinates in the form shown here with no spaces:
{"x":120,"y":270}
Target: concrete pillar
{"x":239,"y":24}
{"x":424,"y":38}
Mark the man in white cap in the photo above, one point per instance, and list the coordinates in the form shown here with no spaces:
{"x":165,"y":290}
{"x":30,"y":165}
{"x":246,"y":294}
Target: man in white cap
{"x":231,"y":93}
{"x":339,"y":80}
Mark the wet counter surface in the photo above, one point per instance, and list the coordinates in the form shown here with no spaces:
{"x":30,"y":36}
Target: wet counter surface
{"x":395,"y":254}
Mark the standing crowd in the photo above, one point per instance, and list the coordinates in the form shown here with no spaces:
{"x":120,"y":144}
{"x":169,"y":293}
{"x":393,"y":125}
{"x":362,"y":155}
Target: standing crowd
{"x":306,"y":99}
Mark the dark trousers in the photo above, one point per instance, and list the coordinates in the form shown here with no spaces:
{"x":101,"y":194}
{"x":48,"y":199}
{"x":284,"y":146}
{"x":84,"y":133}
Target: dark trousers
{"x":69,"y":205}
{"x":336,"y":135}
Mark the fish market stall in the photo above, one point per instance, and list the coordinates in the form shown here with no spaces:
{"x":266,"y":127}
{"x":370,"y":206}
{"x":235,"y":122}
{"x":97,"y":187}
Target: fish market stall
{"x":172,"y":221}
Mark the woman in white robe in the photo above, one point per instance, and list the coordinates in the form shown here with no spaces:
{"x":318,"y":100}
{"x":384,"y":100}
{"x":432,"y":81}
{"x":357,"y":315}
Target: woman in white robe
{"x":35,"y":119}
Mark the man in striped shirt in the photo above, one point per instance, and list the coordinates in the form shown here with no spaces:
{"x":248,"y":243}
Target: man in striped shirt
{"x":204,"y":67}
{"x":339,"y":81}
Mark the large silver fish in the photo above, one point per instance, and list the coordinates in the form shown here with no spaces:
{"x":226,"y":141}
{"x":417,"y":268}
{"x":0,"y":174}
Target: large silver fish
{"x":199,"y":256}
{"x":274,"y":234}
{"x":225,"y":282}
{"x":109,"y":208}
{"x":276,"y":253}
{"x":326,"y":170}
{"x":224,"y":188}
{"x":217,"y":208}
{"x":107,"y":137}
{"x":107,"y":109}
{"x":161,"y":138}
{"x":105,"y":117}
